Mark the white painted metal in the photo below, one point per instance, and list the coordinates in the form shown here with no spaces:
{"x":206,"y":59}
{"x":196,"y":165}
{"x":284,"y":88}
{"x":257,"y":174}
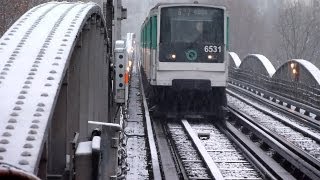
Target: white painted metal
{"x":235,"y":59}
{"x":96,"y":140}
{"x":215,"y":72}
{"x":111,"y":125}
{"x":218,"y":79}
{"x":181,"y":66}
{"x":162,"y":73}
{"x":266,"y":62}
{"x":84,"y":148}
{"x":34,"y":57}
{"x":120,"y":68}
{"x":314,"y":71}
{"x":109,"y":159}
{"x":83,"y":162}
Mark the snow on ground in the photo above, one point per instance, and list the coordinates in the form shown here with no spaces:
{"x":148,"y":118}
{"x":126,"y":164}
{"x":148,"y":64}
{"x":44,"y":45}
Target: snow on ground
{"x":136,"y":147}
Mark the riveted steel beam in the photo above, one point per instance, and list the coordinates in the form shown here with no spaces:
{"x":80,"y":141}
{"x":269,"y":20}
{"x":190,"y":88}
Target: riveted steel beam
{"x":49,"y":85}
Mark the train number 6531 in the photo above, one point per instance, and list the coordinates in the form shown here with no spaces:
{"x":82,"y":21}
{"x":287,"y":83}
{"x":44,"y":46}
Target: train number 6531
{"x":212,"y":49}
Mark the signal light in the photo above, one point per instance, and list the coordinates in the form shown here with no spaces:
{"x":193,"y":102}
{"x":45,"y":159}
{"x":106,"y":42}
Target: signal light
{"x":130,"y":63}
{"x":126,"y":78}
{"x":294,"y":71}
{"x":292,"y":65}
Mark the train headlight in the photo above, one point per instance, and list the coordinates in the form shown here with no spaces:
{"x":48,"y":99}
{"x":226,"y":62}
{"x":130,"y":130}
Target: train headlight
{"x":171,"y":57}
{"x":210,"y":56}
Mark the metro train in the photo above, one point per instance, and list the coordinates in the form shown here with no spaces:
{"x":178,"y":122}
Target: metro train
{"x":184,"y":59}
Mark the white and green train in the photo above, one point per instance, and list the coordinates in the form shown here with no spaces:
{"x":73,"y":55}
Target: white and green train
{"x":184,"y":58}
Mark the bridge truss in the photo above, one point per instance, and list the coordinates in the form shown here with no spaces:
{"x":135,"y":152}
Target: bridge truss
{"x":54,"y":78}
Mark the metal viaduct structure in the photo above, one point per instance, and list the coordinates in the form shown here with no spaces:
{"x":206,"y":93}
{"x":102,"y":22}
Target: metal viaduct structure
{"x":296,"y":82}
{"x":55,"y":77}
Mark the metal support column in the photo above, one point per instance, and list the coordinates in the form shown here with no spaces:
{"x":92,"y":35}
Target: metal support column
{"x":109,"y":149}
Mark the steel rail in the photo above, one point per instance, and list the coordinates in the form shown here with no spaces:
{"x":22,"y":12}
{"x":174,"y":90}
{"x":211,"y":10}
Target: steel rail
{"x":213,"y":169}
{"x":181,"y":154}
{"x":279,"y":97}
{"x":34,"y":57}
{"x":267,"y":166}
{"x":304,"y":162}
{"x":167,"y":158}
{"x":182,"y":172}
{"x":289,"y":112}
{"x":151,"y":140}
{"x":302,"y":130}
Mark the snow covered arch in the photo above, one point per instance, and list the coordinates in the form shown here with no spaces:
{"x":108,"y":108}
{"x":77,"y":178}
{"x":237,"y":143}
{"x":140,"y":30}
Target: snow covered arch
{"x":299,"y":70}
{"x":257,"y":64}
{"x":234,"y":60}
{"x":54,"y":79}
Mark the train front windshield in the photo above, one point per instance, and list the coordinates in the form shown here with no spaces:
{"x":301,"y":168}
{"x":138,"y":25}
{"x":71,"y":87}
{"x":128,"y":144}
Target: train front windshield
{"x":194,"y":31}
{"x":194,"y":28}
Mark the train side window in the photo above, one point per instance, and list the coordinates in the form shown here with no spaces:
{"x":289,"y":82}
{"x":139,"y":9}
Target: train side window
{"x":154,"y":32}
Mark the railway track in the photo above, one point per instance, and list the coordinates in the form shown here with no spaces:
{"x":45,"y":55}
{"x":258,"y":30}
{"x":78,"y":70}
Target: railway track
{"x":297,"y":146}
{"x":238,"y":150}
{"x":194,"y":167}
{"x":208,"y":153}
{"x":296,"y":114}
{"x":299,"y":130}
{"x":279,"y":103}
{"x":241,"y":148}
{"x":203,"y":151}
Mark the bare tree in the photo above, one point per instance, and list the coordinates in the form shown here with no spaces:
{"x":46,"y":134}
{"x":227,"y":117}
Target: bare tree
{"x":11,"y":10}
{"x":299,"y":28}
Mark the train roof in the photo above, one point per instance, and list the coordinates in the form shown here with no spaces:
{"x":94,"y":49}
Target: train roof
{"x":186,"y":4}
{"x":152,"y":10}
